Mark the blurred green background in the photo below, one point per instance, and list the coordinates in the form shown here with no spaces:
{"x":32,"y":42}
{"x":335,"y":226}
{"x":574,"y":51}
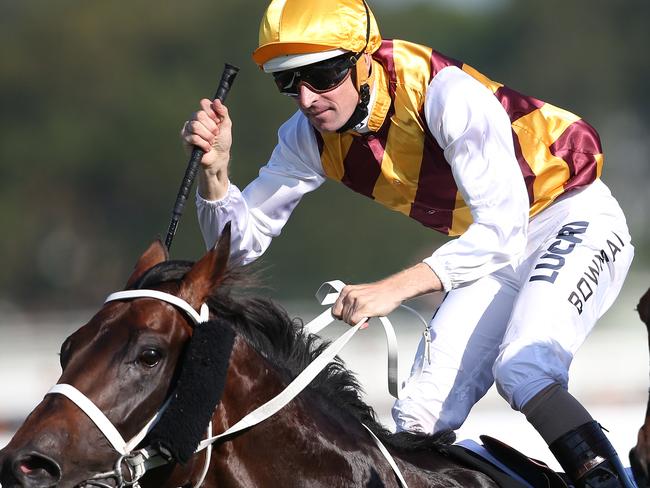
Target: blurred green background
{"x":93,"y":95}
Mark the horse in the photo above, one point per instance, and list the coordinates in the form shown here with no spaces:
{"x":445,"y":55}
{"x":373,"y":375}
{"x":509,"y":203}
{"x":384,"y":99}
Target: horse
{"x":126,"y":361}
{"x":640,"y":454}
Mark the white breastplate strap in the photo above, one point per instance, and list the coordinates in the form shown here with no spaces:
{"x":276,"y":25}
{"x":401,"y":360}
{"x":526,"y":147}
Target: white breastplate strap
{"x":197,"y":318}
{"x":299,"y":383}
{"x":388,"y":457}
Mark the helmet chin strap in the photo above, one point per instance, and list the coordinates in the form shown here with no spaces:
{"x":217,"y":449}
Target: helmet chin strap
{"x":360,"y":111}
{"x":362,"y":80}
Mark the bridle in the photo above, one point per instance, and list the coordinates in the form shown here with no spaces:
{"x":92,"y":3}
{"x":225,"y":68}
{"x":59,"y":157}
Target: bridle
{"x":134,"y":463}
{"x":137,"y":463}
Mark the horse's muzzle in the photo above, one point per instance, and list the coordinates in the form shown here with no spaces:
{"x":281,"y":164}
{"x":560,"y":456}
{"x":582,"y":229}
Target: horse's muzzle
{"x":29,"y":469}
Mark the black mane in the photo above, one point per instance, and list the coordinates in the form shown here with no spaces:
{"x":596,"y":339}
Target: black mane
{"x":281,"y":340}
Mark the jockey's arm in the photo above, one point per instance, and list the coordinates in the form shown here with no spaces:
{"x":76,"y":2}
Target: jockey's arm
{"x":474,"y":131}
{"x":382,"y":297}
{"x":259,"y":212}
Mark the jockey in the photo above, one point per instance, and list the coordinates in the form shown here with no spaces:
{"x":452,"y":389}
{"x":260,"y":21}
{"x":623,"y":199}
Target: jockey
{"x":542,"y":248}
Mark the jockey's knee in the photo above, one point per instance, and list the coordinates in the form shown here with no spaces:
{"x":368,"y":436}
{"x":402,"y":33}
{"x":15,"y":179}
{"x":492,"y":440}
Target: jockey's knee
{"x":413,"y":416}
{"x":522,"y":371}
{"x":428,"y":414}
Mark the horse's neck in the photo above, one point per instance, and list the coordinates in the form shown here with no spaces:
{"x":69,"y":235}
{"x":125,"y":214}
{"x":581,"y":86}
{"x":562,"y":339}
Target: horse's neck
{"x":309,"y":439}
{"x":251,"y":380}
{"x":304,"y":428}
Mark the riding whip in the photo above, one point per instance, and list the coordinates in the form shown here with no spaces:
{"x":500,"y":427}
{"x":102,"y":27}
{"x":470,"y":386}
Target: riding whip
{"x":227,"y":77}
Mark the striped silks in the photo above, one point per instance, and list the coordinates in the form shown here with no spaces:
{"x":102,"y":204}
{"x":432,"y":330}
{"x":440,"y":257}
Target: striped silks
{"x":400,"y":165}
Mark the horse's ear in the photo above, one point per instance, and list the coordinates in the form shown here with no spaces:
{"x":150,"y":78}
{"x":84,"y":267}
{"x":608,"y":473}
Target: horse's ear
{"x":156,"y":253}
{"x":208,"y":272}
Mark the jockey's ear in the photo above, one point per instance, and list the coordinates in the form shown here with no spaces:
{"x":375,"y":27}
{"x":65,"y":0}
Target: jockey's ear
{"x":208,"y":272}
{"x":156,"y":253}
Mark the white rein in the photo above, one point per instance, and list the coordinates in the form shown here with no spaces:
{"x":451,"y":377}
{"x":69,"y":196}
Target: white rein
{"x":138,"y":462}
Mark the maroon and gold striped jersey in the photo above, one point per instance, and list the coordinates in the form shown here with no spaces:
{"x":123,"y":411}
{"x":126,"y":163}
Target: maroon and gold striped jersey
{"x":401,"y":165}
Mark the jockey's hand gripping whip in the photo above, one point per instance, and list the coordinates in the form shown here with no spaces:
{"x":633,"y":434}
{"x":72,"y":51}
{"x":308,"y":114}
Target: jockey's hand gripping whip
{"x":227,"y":78}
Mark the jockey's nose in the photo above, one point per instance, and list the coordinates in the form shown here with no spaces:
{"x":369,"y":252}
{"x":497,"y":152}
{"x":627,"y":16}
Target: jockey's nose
{"x":306,"y":97}
{"x":29,"y":470}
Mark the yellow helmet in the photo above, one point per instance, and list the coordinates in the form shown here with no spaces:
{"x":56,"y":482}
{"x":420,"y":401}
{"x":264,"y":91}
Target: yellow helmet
{"x":294,"y":33}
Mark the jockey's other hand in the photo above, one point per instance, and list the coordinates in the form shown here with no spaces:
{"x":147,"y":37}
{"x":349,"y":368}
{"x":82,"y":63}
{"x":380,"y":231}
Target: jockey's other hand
{"x":356,"y":302}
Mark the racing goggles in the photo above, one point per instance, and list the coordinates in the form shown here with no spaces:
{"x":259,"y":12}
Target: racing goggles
{"x":319,"y":77}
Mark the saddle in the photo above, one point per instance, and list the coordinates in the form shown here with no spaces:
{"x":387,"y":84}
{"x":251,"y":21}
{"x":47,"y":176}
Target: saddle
{"x":506,"y":466}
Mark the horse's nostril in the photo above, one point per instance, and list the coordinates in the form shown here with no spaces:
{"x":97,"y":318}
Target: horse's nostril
{"x":37,"y":468}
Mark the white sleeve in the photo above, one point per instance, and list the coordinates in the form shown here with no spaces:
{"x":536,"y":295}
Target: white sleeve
{"x":258,"y":213}
{"x":475,"y":133}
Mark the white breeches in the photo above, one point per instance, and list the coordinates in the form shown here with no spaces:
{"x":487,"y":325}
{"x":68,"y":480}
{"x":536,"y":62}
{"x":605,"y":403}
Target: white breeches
{"x":521,"y":326}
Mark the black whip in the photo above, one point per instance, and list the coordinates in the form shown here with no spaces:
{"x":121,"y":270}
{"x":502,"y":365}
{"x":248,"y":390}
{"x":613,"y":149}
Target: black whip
{"x":227,"y":77}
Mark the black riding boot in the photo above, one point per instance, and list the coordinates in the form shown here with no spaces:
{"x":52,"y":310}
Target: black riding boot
{"x":589,"y":459}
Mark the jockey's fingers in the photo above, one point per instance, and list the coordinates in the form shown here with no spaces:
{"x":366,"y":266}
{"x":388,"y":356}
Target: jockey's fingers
{"x":208,"y":123}
{"x":197,"y":129}
{"x":186,"y":130}
{"x":221,"y":110}
{"x":350,"y":311}
{"x":348,"y":294}
{"x":195,"y":140}
{"x":341,"y":309}
{"x":337,"y":309}
{"x":338,"y":303}
{"x":206,"y":106}
{"x":346,"y":289}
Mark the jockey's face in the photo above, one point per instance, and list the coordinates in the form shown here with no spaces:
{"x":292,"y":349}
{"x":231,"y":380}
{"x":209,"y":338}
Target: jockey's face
{"x":328,"y":111}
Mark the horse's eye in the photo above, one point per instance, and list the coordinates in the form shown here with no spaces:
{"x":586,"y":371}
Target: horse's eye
{"x":150,"y":357}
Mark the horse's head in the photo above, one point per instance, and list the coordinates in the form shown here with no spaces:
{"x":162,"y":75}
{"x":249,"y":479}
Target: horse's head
{"x":124,"y":361}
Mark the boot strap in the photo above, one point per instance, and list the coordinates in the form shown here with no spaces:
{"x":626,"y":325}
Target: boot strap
{"x":588,"y":466}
